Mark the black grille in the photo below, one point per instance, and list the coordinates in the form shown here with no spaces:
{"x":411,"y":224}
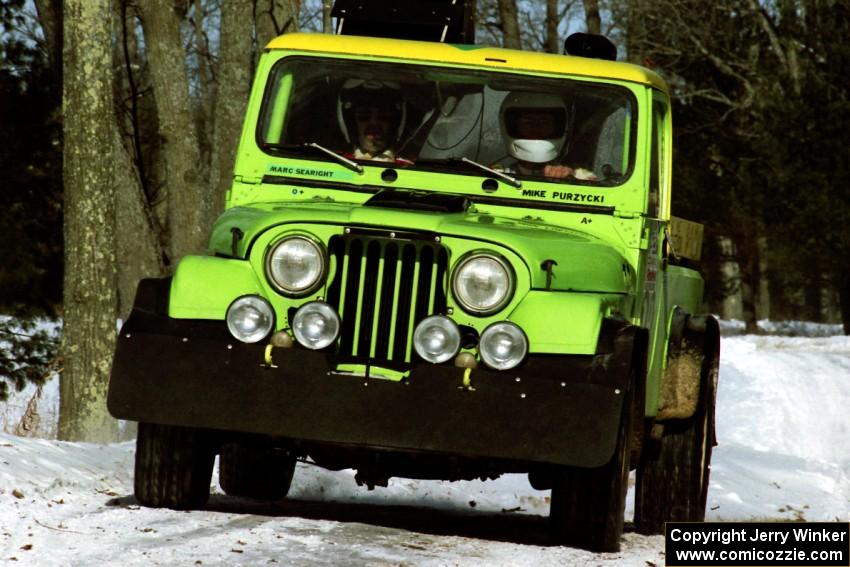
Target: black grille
{"x":382,"y":288}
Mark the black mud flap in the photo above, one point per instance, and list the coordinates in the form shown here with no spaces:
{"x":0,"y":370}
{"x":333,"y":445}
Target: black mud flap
{"x":561,"y":410}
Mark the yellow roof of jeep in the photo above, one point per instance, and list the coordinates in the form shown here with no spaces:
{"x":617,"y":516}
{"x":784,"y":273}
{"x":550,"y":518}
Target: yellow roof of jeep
{"x":478,"y":56}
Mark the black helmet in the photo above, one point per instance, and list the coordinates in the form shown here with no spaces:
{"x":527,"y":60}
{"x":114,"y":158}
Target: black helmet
{"x":359,"y":92}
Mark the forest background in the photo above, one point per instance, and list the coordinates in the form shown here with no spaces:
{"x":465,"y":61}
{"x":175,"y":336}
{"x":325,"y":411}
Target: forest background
{"x":118,"y":118}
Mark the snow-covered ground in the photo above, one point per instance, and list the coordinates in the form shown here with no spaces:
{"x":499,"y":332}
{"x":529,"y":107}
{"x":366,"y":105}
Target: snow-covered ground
{"x":783,"y":430}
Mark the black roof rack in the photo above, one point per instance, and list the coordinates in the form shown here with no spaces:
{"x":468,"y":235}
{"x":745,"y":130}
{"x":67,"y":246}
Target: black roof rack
{"x":447,"y":21}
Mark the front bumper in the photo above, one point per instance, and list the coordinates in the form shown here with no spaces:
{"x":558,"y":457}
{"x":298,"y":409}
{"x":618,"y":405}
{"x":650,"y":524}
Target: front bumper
{"x":559,"y":410}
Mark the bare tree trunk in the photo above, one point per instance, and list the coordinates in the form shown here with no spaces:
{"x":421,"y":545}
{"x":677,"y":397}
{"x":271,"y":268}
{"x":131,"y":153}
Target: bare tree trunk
{"x":830,"y":307}
{"x":634,"y":32}
{"x":844,"y":299}
{"x":748,"y":257}
{"x":234,"y":83}
{"x":138,"y":237}
{"x":785,"y":51}
{"x":127,"y":86}
{"x":730,"y":276}
{"x":553,"y":42}
{"x":50,"y":18}
{"x":591,"y":16}
{"x":205,"y":117}
{"x":148,"y":154}
{"x":88,"y":337}
{"x":510,"y":24}
{"x":166,"y":57}
{"x":763,"y":293}
{"x":274,"y":18}
{"x":327,"y":20}
{"x":790,"y":14}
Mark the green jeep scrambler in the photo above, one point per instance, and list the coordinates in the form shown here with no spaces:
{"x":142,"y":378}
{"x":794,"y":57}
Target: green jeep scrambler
{"x":447,"y":307}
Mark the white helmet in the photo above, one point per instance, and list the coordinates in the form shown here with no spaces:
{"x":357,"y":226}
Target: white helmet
{"x":525,"y":148}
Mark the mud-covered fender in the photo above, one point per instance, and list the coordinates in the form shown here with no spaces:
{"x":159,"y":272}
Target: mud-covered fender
{"x":693,"y":352}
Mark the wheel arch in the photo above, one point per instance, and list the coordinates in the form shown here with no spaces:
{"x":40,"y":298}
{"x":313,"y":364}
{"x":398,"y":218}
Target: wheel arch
{"x":691,"y":364}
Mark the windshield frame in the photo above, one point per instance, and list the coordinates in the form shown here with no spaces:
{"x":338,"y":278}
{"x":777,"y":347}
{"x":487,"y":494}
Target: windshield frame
{"x":449,"y":165}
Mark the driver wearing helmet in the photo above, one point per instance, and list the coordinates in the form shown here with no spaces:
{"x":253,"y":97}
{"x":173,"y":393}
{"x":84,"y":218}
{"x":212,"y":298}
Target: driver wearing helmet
{"x":371,"y":115}
{"x":535,"y":127}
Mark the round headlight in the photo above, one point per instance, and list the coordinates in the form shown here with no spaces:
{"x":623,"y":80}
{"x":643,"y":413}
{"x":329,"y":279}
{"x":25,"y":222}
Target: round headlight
{"x":483,"y":283}
{"x":295,"y":265}
{"x":315,"y":325}
{"x":436,"y":339}
{"x":250,"y":318}
{"x":503,"y":345}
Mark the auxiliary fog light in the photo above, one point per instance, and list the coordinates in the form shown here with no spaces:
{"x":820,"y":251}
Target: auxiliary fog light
{"x":316,"y":325}
{"x":436,"y":339}
{"x":250,"y":318}
{"x":503,"y":345}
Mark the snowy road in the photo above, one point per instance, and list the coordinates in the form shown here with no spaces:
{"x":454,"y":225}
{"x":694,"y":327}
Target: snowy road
{"x":783,"y":454}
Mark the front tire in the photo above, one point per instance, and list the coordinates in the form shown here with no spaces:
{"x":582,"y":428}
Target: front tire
{"x":173,"y":466}
{"x":588,"y":504}
{"x":262,"y":473}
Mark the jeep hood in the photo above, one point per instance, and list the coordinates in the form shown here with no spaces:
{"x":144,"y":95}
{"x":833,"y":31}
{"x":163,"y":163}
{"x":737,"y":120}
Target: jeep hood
{"x":582,"y":262}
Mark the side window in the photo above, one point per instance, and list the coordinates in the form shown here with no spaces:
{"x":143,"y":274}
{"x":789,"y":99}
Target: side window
{"x":656,"y":163}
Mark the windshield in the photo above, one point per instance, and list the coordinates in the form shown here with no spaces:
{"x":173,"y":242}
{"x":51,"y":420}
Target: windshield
{"x":557,"y":130}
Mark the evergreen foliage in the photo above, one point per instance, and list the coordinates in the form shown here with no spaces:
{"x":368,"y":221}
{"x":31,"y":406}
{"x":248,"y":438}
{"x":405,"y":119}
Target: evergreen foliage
{"x":31,"y":166}
{"x":28,"y":353}
{"x":30,"y":204}
{"x":761,"y":107}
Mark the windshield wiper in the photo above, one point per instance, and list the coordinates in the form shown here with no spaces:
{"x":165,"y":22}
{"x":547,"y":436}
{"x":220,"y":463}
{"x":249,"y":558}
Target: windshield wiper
{"x":510,"y":180}
{"x":339,"y":158}
{"x":504,"y":176}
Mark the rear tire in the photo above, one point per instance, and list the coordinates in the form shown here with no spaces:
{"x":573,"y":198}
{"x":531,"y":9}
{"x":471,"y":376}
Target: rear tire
{"x":588,"y":504}
{"x":673,"y":475}
{"x":173,"y":466}
{"x":261,"y":473}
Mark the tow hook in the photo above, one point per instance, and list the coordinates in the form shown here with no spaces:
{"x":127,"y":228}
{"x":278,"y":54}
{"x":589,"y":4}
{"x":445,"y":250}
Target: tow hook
{"x":466,"y":383}
{"x":267,"y":357}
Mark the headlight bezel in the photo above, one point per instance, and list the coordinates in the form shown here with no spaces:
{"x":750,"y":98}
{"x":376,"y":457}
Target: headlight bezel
{"x":322,"y":255}
{"x":505,"y":265}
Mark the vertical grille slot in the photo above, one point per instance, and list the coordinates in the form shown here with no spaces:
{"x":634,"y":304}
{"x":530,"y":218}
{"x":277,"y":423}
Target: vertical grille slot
{"x":382,"y":288}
